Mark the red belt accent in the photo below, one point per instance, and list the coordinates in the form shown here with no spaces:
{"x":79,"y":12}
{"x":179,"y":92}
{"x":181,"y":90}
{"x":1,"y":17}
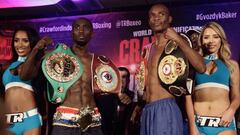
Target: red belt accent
{"x":68,"y":110}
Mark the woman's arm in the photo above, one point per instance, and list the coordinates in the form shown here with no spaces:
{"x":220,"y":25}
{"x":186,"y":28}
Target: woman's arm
{"x":190,"y":114}
{"x":228,"y":115}
{"x":234,"y":94}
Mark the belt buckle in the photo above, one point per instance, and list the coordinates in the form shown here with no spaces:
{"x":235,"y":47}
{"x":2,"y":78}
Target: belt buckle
{"x":85,"y":122}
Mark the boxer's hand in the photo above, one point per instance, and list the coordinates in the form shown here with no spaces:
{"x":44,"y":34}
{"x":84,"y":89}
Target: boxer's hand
{"x":135,"y":117}
{"x":124,"y":98}
{"x":42,"y":43}
{"x":171,"y":34}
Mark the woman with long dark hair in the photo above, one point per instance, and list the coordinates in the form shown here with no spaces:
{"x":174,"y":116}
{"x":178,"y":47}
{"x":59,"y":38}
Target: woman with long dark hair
{"x":22,"y":115}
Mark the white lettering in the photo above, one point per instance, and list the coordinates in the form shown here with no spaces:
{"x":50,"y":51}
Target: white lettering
{"x":214,"y":122}
{"x":184,"y":29}
{"x":128,"y":23}
{"x":55,"y":28}
{"x":216,"y":16}
{"x":102,"y":25}
{"x":142,"y":33}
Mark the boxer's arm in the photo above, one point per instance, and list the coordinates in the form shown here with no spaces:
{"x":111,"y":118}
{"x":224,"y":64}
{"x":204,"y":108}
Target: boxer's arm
{"x":195,"y":59}
{"x":29,"y":69}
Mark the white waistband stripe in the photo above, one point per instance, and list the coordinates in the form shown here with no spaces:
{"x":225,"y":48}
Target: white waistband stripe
{"x":18,"y":84}
{"x":211,"y":84}
{"x":31,"y":113}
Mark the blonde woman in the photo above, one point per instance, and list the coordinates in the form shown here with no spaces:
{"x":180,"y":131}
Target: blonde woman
{"x":216,"y":94}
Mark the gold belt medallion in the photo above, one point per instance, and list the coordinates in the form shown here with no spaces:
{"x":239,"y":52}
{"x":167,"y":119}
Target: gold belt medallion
{"x":170,"y":68}
{"x":106,"y":78}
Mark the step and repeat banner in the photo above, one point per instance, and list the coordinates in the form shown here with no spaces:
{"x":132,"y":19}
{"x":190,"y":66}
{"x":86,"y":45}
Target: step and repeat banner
{"x":121,"y":35}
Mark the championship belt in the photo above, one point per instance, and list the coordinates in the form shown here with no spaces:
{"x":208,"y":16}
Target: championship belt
{"x":141,"y":77}
{"x":141,"y":73}
{"x":173,"y":68}
{"x":62,"y":69}
{"x":106,"y":77}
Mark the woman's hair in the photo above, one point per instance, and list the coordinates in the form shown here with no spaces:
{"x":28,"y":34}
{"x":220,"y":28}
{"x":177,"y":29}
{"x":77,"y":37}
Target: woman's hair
{"x":31,"y":34}
{"x":224,"y":51}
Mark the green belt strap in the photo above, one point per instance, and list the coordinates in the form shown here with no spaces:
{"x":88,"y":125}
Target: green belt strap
{"x":62,"y":69}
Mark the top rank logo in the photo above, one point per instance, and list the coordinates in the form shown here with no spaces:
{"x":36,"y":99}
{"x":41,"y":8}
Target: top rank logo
{"x":128,"y":23}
